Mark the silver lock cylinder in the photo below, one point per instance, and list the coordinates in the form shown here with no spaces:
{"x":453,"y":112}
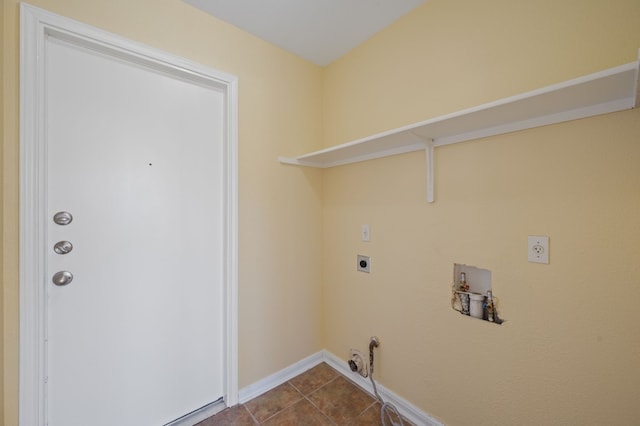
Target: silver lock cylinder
{"x":63,"y":247}
{"x":62,"y":218}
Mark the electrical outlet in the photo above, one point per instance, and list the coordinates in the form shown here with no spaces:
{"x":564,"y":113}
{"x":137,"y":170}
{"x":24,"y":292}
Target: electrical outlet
{"x":538,"y":246}
{"x":364,"y":263}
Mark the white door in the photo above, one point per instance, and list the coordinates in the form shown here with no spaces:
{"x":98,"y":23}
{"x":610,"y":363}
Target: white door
{"x":136,"y":157}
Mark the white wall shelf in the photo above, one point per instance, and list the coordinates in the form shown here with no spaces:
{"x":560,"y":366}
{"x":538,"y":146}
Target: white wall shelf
{"x":611,"y":90}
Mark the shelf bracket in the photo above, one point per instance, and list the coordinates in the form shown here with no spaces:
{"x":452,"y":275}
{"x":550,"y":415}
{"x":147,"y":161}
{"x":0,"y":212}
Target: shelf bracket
{"x":428,"y":150}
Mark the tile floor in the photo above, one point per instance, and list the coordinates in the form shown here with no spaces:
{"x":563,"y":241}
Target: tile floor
{"x":319,"y":396}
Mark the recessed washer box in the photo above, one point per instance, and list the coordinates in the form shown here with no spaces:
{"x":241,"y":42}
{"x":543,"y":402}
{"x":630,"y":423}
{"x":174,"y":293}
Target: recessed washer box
{"x":479,"y":280}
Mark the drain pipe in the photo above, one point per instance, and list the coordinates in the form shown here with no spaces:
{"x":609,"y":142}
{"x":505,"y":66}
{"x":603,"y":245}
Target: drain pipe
{"x":374,"y":343}
{"x":388,"y":411}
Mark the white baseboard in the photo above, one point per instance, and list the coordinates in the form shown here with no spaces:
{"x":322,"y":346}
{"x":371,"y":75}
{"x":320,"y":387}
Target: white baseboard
{"x":276,"y":379}
{"x":406,"y":409}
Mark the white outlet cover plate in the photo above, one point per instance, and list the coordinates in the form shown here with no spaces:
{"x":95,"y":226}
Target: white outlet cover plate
{"x":364,"y":263}
{"x":538,"y":249}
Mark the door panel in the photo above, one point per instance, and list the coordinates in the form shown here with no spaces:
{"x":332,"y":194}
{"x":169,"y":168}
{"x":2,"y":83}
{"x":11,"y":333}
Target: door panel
{"x":135,"y":156}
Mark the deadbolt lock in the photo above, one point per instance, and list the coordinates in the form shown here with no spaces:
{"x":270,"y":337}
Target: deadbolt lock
{"x":62,"y":218}
{"x":63,"y":247}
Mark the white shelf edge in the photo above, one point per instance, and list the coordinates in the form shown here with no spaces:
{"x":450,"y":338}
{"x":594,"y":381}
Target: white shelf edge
{"x":611,"y":90}
{"x":545,"y":120}
{"x":299,"y":161}
{"x":296,"y":162}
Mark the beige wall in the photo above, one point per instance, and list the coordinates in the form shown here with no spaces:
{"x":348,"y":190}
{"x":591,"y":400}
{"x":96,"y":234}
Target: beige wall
{"x":280,"y":207}
{"x":569,"y":349}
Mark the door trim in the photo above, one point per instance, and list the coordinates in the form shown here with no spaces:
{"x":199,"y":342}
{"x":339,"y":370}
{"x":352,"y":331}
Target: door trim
{"x":36,"y":25}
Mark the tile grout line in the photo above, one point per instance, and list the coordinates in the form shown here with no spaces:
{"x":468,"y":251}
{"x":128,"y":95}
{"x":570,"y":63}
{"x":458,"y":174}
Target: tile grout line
{"x":284,"y":408}
{"x":318,"y":408}
{"x":251,"y":414}
{"x":336,"y":377}
{"x":306,"y":397}
{"x":320,"y":411}
{"x":312,"y":380}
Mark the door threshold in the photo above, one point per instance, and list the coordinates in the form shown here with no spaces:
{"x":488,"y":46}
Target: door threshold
{"x":200,"y":414}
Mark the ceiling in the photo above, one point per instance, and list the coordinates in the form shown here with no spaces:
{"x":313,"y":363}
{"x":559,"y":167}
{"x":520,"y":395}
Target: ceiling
{"x":320,"y":31}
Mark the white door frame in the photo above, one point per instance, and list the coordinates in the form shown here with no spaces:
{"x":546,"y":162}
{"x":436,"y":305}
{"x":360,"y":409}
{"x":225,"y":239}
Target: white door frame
{"x":36,"y":25}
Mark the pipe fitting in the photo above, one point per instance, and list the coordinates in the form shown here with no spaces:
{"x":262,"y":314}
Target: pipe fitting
{"x":356,"y":363}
